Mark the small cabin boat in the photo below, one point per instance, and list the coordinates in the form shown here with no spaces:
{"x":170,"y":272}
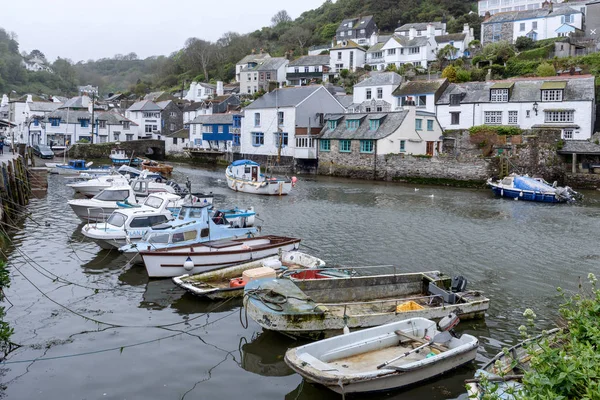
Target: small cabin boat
{"x":245,"y":176}
{"x":154,"y":166}
{"x":229,"y":282}
{"x":386,"y":357}
{"x":119,"y":157}
{"x":524,"y":187}
{"x":211,"y":255}
{"x":506,"y":369}
{"x":74,"y":167}
{"x":316,"y":308}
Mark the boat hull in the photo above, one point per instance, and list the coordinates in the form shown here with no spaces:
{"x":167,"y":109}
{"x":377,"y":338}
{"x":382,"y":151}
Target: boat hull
{"x":91,"y":214}
{"x":269,"y":188}
{"x":526,"y":195}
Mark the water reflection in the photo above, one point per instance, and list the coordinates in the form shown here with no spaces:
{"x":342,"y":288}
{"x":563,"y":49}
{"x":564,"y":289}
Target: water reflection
{"x":264,"y":353}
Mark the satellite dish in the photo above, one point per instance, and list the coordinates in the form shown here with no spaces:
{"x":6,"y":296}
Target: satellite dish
{"x":89,"y":164}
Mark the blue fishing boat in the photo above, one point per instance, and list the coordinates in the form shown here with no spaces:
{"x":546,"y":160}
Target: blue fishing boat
{"x":74,"y":167}
{"x":194,"y":223}
{"x":524,"y":187}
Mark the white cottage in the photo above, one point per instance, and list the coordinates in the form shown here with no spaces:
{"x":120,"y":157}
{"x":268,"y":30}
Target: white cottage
{"x":346,"y":54}
{"x":374,"y":94}
{"x":563,"y":102}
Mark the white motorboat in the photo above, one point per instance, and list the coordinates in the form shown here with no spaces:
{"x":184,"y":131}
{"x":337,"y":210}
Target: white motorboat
{"x":245,"y":176}
{"x":134,"y":221}
{"x":74,"y":167}
{"x":104,"y":203}
{"x":207,"y":256}
{"x":91,"y":187}
{"x":383,"y":358}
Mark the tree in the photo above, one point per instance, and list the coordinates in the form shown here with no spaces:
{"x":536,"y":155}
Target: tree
{"x":282,"y":16}
{"x":463,"y":75}
{"x":545,"y":69}
{"x":328,"y":31}
{"x":450,"y":73}
{"x":199,"y":52}
{"x":38,"y":54}
{"x":296,"y":36}
{"x":498,"y":52}
{"x":445,"y":53}
{"x":524,"y":43}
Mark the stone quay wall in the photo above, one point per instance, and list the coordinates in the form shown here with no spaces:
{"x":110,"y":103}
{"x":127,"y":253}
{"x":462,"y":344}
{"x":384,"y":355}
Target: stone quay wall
{"x":150,"y":148}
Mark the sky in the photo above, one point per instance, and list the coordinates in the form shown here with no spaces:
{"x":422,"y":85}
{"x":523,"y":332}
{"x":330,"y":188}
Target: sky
{"x":82,"y":29}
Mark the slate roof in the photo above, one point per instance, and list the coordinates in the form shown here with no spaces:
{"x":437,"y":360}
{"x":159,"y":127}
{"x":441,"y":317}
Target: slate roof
{"x":510,"y":16}
{"x":357,"y":23}
{"x":414,"y":42}
{"x":376,"y":47}
{"x":305,"y":61}
{"x":113,"y":118}
{"x":77,"y":102}
{"x":253,"y":58}
{"x":579,"y":147}
{"x":144,"y":105}
{"x":180,"y":134}
{"x":194,"y":106}
{"x":452,"y":37}
{"x":219,"y":119}
{"x":164,"y":104}
{"x":74,"y":116}
{"x":207,"y":85}
{"x":389,"y":123}
{"x":381,"y":78}
{"x":269,"y":64}
{"x":419,"y":87}
{"x":350,"y":44}
{"x":420,"y":26}
{"x":44,"y":106}
{"x":345,"y":100}
{"x":285,"y":97}
{"x":525,"y":90}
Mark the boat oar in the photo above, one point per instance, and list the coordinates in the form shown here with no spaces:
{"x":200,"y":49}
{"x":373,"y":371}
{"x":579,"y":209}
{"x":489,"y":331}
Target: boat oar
{"x":439,"y":338}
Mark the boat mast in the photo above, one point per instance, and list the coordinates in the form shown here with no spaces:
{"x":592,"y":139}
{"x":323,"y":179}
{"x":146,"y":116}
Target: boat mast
{"x":279,"y":133}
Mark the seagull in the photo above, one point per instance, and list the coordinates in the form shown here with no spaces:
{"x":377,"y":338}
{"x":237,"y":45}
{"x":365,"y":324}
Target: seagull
{"x":416,"y":190}
{"x":430,"y":196}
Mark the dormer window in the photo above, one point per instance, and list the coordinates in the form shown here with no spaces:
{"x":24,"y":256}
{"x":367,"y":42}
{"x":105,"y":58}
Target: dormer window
{"x":352,"y":124}
{"x":552,"y":95}
{"x":455,"y":99}
{"x":332,"y":124}
{"x":373,"y":124}
{"x":499,"y":95}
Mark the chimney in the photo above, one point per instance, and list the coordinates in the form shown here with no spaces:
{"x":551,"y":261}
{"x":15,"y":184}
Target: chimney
{"x":466,"y":29}
{"x":220,"y":88}
{"x":430,"y":30}
{"x":412,"y":32}
{"x":487,"y":16}
{"x":29,"y":99}
{"x":4,"y":100}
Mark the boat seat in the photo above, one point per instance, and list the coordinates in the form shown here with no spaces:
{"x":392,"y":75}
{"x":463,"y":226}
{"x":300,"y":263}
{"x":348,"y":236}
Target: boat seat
{"x":218,"y":244}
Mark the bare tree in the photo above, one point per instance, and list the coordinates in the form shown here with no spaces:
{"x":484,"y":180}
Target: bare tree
{"x":200,"y":52}
{"x":296,"y":36}
{"x":281,"y":16}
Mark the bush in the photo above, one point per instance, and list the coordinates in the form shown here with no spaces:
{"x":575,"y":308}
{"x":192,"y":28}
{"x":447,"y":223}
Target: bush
{"x":524,"y":43}
{"x":541,"y":53}
{"x":450,"y":73}
{"x":463,"y":75}
{"x":545,"y":69}
{"x":498,"y":130}
{"x":478,"y":74}
{"x":498,"y":70}
{"x":477,"y":59}
{"x":344,"y":73}
{"x":516,"y":67}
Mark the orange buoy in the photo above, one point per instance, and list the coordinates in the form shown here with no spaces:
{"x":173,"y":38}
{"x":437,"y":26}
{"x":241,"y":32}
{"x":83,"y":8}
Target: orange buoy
{"x":237,"y":282}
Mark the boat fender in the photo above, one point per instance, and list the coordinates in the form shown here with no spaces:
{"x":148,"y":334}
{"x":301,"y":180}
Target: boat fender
{"x":294,"y":180}
{"x":237,"y":282}
{"x":188,"y":265}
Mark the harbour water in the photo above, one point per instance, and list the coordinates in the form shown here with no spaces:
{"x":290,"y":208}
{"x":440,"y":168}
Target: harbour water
{"x":91,"y":327}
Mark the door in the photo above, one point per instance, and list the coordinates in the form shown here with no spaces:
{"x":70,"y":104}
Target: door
{"x":255,"y":173}
{"x":430,"y":148}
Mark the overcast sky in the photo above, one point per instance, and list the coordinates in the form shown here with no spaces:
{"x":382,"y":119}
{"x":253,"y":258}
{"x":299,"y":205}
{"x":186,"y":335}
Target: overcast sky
{"x":84,"y":29}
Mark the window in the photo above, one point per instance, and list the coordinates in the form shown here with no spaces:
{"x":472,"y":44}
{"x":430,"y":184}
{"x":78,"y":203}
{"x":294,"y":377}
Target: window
{"x":172,"y":114}
{"x":559,"y":116}
{"x":568,"y":19}
{"x":522,"y":27}
{"x":568,"y":134}
{"x":380,"y":93}
{"x":513,"y":117}
{"x":534,"y":25}
{"x":317,"y":68}
{"x":377,"y":54}
{"x":368,"y":95}
{"x":268,"y":75}
{"x":379,"y":109}
{"x":493,"y":118}
{"x":414,"y":50}
{"x":220,"y":128}
{"x":499,"y":95}
{"x":126,"y":125}
{"x":552,"y":95}
{"x":367,"y":109}
{"x":280,"y":118}
{"x":304,"y":142}
{"x":258,"y":139}
{"x":402,"y":146}
{"x":366,"y":146}
{"x":262,"y":76}
{"x":454,"y":118}
{"x":103,"y":138}
{"x":36,"y":122}
{"x":362,"y":31}
{"x":171,"y":127}
{"x":278,"y":139}
{"x":342,"y":34}
{"x":352,"y":124}
{"x":373,"y":124}
{"x":129,"y":137}
{"x":112,"y":195}
{"x":174,"y":140}
{"x":391,"y":52}
{"x":332,"y":124}
{"x":102,"y":124}
{"x":429,"y":124}
{"x":455,"y":99}
{"x":419,"y":124}
{"x":349,"y":33}
{"x":306,"y":69}
{"x":255,"y":76}
{"x":236,"y":139}
{"x":148,"y":128}
{"x":256,"y":119}
{"x":84,"y":123}
{"x":116,"y":136}
{"x":339,"y":55}
{"x":116,"y":219}
{"x":527,"y":113}
{"x":345,"y":146}
{"x":324,"y":145}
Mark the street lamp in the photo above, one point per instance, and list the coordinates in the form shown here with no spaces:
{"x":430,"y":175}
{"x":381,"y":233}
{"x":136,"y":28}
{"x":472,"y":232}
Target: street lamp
{"x":535,"y":108}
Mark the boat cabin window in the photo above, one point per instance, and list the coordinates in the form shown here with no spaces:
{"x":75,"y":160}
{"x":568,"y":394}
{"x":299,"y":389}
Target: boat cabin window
{"x":144,"y":222}
{"x":154,"y":202}
{"x":117,"y":219}
{"x":158,"y":238}
{"x":183,"y":236}
{"x":139,"y":186}
{"x":247,"y":169}
{"x":195,"y":213}
{"x":204,"y":232}
{"x":112,"y":195}
{"x":507,"y":181}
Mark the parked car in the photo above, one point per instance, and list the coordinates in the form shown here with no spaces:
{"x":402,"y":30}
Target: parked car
{"x":43,"y":151}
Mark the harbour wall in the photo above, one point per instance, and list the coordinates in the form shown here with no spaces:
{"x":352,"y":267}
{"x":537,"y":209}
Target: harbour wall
{"x":150,"y":148}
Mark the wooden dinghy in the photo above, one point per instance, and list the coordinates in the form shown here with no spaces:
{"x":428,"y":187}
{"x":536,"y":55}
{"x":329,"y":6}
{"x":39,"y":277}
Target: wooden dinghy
{"x":315,"y":307}
{"x":383,"y":358}
{"x":506,"y":369}
{"x":227,"y":282}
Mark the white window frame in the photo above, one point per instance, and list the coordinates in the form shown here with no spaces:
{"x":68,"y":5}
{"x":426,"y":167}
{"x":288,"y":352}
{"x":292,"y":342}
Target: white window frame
{"x":559,"y":116}
{"x":499,"y":95}
{"x":568,"y":134}
{"x":552,"y":95}
{"x":493,"y":117}
{"x":513,"y":117}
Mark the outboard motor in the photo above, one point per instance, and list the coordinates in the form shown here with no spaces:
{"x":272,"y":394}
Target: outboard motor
{"x":459,"y":284}
{"x":448,"y":323}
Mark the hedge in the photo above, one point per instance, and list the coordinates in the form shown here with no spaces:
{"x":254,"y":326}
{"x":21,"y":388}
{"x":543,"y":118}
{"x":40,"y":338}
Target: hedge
{"x":501,"y":130}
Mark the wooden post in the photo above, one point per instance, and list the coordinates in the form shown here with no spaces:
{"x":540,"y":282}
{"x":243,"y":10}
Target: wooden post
{"x":574,"y":166}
